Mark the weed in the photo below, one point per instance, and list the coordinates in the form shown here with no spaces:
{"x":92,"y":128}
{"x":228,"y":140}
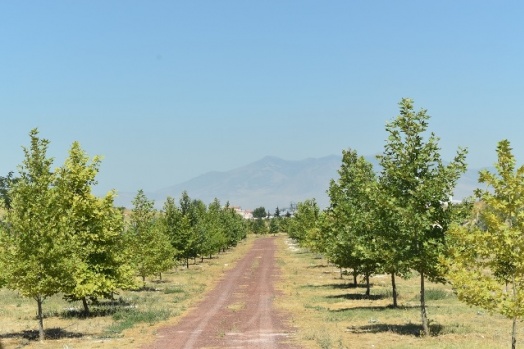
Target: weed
{"x":172,"y":290}
{"x":435,"y":294}
{"x":129,"y":317}
{"x":324,"y":341}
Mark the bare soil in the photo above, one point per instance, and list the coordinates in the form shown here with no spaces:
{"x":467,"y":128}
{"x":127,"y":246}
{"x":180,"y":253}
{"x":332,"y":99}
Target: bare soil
{"x":238,"y":313}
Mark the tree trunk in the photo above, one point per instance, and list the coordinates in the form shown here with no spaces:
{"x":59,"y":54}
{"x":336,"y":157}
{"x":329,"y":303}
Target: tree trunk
{"x":86,"y":307}
{"x":40,"y":317}
{"x":514,"y":334}
{"x":160,"y":276}
{"x":368,"y":285}
{"x":144,"y":281}
{"x":423,"y":313}
{"x":187,"y":263}
{"x":341,"y":274}
{"x":514,"y":328}
{"x":355,"y":274}
{"x":394,"y":287}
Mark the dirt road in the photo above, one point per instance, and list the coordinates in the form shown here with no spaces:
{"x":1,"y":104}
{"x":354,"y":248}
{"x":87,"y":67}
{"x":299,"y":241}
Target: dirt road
{"x":238,"y":313}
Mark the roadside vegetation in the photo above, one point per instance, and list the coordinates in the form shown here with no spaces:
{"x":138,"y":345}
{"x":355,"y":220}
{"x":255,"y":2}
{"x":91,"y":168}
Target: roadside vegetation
{"x":329,"y":312}
{"x":393,"y":262}
{"x":57,"y":239}
{"x":129,"y":320}
{"x":402,"y":224}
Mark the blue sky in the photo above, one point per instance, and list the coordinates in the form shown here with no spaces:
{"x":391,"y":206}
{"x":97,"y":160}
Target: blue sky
{"x":168,"y":90}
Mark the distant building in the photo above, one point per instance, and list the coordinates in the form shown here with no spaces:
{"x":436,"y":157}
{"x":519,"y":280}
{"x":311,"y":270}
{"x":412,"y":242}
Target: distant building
{"x":246,"y":214}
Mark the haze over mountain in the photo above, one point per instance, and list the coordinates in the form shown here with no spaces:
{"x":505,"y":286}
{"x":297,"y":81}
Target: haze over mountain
{"x":272,"y":182}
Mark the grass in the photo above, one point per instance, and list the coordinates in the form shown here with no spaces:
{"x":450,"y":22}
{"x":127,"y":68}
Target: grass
{"x":128,"y":317}
{"x":128,"y":322}
{"x":327,"y":312}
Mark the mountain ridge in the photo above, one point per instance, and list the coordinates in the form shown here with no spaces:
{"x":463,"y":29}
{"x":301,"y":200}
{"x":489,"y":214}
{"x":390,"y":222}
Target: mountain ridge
{"x":272,"y":182}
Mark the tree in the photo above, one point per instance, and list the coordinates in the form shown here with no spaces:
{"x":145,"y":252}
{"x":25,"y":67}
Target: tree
{"x":179,"y":228}
{"x":486,"y":263}
{"x":216,"y":237}
{"x":197,"y":217}
{"x":190,"y":221}
{"x":95,"y":226}
{"x":274,"y":226}
{"x":5,"y":185}
{"x":235,"y":226}
{"x":414,"y":183}
{"x":149,"y":246}
{"x":305,"y":222}
{"x":259,"y":212}
{"x":39,"y":251}
{"x":353,"y":223}
{"x":258,"y":226}
{"x":171,"y":218}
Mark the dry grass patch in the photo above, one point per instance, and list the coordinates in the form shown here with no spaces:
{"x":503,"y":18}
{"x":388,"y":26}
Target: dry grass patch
{"x":329,"y":313}
{"x":128,"y":322}
{"x":237,"y":306}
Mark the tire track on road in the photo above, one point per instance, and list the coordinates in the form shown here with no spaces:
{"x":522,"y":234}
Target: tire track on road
{"x":218,"y":321}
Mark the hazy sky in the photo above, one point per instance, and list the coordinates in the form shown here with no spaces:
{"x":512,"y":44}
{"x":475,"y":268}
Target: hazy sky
{"x":167,"y":90}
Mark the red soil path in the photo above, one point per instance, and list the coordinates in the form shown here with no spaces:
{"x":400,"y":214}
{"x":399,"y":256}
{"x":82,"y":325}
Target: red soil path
{"x":238,"y":313}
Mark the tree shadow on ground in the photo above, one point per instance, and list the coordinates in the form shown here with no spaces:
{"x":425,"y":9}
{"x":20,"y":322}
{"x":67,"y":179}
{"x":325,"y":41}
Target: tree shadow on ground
{"x":145,"y":289}
{"x":93,"y":313}
{"x":112,"y":303}
{"x":97,"y":309}
{"x":375,"y":308}
{"x":50,"y":334}
{"x":358,"y":297}
{"x":403,"y":330}
{"x":341,"y":286}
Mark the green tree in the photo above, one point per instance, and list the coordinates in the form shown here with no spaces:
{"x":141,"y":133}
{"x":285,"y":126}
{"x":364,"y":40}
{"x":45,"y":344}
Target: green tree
{"x":305,"y":222}
{"x":177,"y":225}
{"x":274,"y":225}
{"x":259,"y":212}
{"x":96,"y":228}
{"x":197,"y":216}
{"x":258,"y":226}
{"x":5,"y":185}
{"x":414,"y":183}
{"x":353,"y":223}
{"x":39,"y":256}
{"x":149,"y":246}
{"x":187,"y":238}
{"x":171,"y":220}
{"x":234,"y":225}
{"x":486,"y":263}
{"x":216,"y":239}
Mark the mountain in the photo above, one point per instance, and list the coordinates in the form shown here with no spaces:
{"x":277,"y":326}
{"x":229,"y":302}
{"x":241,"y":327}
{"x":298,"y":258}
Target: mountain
{"x":269,"y":182}
{"x":272,"y":182}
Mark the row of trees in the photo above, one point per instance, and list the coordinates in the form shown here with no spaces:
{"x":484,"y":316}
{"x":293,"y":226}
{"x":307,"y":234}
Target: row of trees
{"x":401,"y":220}
{"x":56,"y":236}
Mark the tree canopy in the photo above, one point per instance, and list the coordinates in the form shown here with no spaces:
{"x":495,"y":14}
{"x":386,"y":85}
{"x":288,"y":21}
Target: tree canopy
{"x":486,"y":263}
{"x":39,"y":256}
{"x":414,"y":184}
